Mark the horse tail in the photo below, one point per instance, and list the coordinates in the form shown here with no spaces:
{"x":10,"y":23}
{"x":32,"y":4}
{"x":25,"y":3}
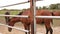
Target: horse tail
{"x":52,"y":13}
{"x":7,"y":19}
{"x":52,"y":19}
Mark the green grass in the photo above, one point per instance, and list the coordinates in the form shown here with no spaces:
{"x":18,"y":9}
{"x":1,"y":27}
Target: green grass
{"x":14,"y":12}
{"x":2,"y":12}
{"x":11,"y":12}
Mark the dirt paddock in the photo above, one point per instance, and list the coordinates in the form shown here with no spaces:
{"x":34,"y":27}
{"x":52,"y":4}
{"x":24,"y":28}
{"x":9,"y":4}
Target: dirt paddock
{"x":40,"y":29}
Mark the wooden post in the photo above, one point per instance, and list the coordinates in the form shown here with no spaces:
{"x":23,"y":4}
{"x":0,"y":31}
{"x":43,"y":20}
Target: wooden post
{"x":32,"y":9}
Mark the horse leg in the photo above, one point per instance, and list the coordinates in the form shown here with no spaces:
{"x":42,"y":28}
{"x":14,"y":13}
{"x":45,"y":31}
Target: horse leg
{"x":32,"y":28}
{"x":47,"y":30}
{"x":25,"y":26}
{"x":48,"y":27}
{"x":51,"y":31}
{"x":28,"y":28}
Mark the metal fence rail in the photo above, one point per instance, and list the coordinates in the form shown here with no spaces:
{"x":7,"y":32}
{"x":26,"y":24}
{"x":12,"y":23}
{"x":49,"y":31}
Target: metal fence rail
{"x":23,"y":16}
{"x":14,"y":4}
{"x":48,"y":17}
{"x":20,"y":29}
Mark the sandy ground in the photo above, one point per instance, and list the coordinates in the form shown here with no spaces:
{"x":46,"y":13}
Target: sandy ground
{"x":40,"y":29}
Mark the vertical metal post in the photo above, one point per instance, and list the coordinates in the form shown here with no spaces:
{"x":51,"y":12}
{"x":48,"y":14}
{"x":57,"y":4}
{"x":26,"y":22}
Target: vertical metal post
{"x":34,"y":8}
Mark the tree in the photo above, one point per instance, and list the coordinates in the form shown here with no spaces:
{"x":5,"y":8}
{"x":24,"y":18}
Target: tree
{"x":40,"y":8}
{"x":44,"y":7}
{"x":4,"y":9}
{"x":58,"y":5}
{"x":36,"y":8}
{"x":23,"y":9}
{"x":54,"y":6}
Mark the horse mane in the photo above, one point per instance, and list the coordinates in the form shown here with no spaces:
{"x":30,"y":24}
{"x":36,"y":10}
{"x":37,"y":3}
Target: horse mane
{"x":20,"y":13}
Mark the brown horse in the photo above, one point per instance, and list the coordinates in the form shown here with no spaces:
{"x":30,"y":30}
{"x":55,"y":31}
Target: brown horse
{"x":27,"y":21}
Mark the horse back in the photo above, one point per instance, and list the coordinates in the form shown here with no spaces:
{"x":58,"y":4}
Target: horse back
{"x":56,"y":13}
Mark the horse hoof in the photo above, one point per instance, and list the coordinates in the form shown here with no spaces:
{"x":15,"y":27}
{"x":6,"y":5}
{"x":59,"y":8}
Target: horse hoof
{"x":9,"y":29}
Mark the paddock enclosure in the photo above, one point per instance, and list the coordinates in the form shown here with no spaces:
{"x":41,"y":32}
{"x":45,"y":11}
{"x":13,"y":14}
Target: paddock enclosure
{"x":40,"y":27}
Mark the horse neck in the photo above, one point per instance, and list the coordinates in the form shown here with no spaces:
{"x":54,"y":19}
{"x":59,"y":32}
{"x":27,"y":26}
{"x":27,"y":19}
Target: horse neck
{"x":20,"y":13}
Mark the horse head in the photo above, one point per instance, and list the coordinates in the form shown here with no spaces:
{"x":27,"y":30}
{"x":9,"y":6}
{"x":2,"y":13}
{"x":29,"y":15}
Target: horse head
{"x":12,"y":21}
{"x":10,"y":24}
{"x":7,"y":18}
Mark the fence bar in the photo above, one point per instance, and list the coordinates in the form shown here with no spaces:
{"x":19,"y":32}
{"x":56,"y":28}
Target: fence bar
{"x":34,"y":8}
{"x":24,"y":16}
{"x":14,"y":4}
{"x":39,"y":0}
{"x":20,"y":29}
{"x":47,"y":16}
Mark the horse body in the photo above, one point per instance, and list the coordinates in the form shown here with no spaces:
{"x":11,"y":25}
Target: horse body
{"x":38,"y":13}
{"x":27,"y":21}
{"x":42,"y":13}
